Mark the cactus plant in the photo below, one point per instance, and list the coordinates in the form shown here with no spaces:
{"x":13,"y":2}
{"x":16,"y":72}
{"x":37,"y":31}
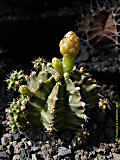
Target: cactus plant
{"x":57,"y":96}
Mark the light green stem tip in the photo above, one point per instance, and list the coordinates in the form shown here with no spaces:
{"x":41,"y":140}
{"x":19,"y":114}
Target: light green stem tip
{"x":24,"y":90}
{"x":57,"y":65}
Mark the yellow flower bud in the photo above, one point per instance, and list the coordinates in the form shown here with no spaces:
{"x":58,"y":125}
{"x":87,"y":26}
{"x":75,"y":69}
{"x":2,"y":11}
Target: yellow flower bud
{"x":70,"y":44}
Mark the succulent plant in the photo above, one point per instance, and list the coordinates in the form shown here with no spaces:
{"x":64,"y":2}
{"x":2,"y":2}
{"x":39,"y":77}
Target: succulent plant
{"x":57,"y":96}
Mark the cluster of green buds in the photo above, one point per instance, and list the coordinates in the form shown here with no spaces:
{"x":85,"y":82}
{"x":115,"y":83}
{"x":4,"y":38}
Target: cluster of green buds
{"x":15,"y":80}
{"x":38,"y":63}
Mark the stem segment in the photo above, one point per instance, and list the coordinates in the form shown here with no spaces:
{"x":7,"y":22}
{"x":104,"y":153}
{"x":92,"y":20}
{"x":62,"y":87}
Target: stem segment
{"x":68,"y":63}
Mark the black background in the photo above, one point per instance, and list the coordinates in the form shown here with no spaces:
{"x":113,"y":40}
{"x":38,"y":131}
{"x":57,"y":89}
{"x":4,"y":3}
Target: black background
{"x":32,"y":28}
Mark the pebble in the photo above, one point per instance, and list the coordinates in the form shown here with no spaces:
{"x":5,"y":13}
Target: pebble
{"x":55,"y":157}
{"x":92,"y":154}
{"x":1,"y":147}
{"x":5,"y":139}
{"x":81,"y":155}
{"x":116,"y":156}
{"x":23,"y":154}
{"x":16,"y":157}
{"x":18,"y":147}
{"x":10,"y":149}
{"x":14,"y":143}
{"x":46,"y":151}
{"x":63,"y":151}
{"x":16,"y":137}
{"x":83,"y":158}
{"x":34,"y":157}
{"x":110,"y":156}
{"x":29,"y":143}
{"x":4,"y":156}
{"x":35,"y":149}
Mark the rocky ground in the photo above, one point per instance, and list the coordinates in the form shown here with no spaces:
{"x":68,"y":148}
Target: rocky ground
{"x":101,"y":145}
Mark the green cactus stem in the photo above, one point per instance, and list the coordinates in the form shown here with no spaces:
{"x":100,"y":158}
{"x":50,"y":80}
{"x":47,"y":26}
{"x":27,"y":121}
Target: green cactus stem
{"x":18,"y":114}
{"x":68,"y":63}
